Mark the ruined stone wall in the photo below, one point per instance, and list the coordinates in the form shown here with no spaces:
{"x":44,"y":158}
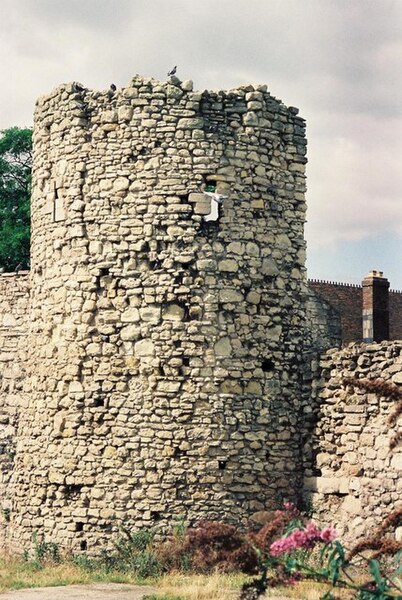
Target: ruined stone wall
{"x":164,"y":348}
{"x":323,"y":323}
{"x":14,"y":300}
{"x":354,"y":477}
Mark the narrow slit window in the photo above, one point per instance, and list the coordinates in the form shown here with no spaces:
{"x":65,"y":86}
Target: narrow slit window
{"x":59,"y":211}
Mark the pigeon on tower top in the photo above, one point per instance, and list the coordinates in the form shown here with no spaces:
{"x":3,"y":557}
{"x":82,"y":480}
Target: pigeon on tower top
{"x":113,"y":87}
{"x":173,"y":71}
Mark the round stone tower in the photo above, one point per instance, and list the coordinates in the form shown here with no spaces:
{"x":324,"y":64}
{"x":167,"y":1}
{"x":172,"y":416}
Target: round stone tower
{"x":167,"y":315}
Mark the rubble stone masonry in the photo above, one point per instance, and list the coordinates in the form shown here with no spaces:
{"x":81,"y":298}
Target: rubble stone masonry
{"x":164,"y":344}
{"x":14,"y":300}
{"x":162,"y":359}
{"x":354,"y":477}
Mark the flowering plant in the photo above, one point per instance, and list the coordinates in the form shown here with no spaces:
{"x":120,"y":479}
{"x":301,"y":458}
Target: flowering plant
{"x":304,"y":551}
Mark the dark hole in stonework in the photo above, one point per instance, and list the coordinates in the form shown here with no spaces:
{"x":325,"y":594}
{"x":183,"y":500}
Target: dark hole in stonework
{"x":222,"y":464}
{"x":158,"y":144}
{"x":209,"y":228}
{"x":186,"y":361}
{"x":267,"y":365}
{"x":104,"y":272}
{"x":99,"y":402}
{"x":183,"y":198}
{"x":155,"y":515}
{"x":73,"y":489}
{"x":178,"y":452}
{"x":181,"y":489}
{"x":180,"y":244}
{"x":55,"y":203}
{"x":83,"y":545}
{"x":178,"y":279}
{"x":142,"y":151}
{"x":177,"y":343}
{"x":209,"y":186}
{"x":155,"y":264}
{"x":79,"y":526}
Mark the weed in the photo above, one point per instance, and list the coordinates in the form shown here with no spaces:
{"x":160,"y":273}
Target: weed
{"x":43,"y":552}
{"x":6,"y":512}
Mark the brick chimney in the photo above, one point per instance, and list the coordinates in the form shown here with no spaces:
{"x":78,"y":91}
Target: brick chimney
{"x":375,"y":307}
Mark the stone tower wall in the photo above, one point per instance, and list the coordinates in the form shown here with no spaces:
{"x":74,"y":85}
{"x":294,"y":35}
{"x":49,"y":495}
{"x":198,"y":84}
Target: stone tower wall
{"x":14,"y":307}
{"x":164,"y":349}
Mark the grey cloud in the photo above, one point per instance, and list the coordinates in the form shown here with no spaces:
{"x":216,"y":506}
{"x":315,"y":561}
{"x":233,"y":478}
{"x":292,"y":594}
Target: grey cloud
{"x":340,"y":61}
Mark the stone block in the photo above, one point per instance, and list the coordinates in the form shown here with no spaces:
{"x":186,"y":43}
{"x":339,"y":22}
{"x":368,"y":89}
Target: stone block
{"x":352,"y":505}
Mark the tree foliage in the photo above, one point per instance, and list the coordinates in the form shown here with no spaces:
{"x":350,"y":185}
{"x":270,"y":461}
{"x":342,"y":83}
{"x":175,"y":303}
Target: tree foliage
{"x":15,"y":190}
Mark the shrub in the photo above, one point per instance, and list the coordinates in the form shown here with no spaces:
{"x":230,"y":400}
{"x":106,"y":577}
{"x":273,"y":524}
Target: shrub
{"x":214,"y":545}
{"x":134,"y":552}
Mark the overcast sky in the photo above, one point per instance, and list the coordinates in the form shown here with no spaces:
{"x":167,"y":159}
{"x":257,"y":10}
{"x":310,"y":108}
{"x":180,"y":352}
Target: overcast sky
{"x":339,"y":61}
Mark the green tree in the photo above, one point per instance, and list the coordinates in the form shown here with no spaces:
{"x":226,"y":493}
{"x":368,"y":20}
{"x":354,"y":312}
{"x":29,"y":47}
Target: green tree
{"x":15,"y":191}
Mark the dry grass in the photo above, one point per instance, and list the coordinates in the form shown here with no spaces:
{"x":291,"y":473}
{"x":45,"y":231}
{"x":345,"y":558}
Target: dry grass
{"x":18,"y":574}
{"x":200,"y":587}
{"x":306,"y":590}
{"x":226,"y":587}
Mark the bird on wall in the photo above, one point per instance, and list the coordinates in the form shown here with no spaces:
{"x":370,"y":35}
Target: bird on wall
{"x":173,"y":71}
{"x":77,"y":87}
{"x":113,"y":88}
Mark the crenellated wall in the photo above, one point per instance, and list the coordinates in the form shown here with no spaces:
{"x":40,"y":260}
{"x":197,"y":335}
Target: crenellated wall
{"x":347,"y":300}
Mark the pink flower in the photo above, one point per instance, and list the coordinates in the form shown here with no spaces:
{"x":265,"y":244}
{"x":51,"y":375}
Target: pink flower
{"x":328,"y":535}
{"x":302,"y":538}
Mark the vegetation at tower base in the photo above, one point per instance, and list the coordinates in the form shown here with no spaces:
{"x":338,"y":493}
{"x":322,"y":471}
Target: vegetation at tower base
{"x":15,"y":190}
{"x":290,"y":556}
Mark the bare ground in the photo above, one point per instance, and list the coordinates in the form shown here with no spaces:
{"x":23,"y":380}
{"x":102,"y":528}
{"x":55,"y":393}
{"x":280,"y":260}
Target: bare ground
{"x":96,"y":591}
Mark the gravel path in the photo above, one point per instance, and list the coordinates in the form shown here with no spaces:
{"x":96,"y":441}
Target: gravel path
{"x":97,"y":591}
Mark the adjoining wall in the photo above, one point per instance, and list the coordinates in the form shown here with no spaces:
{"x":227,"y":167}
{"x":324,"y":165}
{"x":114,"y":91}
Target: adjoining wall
{"x":347,"y":300}
{"x":14,"y":301}
{"x":395,"y":315}
{"x":165,"y":349}
{"x":354,"y":478}
{"x":323,"y":323}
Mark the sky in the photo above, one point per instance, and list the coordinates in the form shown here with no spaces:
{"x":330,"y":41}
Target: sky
{"x":338,"y":61}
